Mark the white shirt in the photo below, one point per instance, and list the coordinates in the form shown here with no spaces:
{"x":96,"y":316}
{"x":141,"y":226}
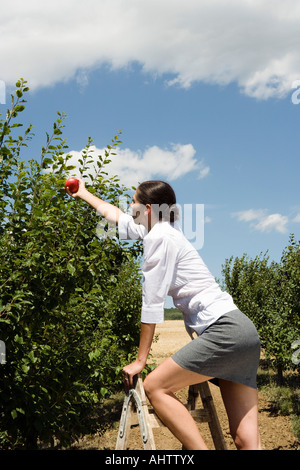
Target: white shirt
{"x":172,"y":266}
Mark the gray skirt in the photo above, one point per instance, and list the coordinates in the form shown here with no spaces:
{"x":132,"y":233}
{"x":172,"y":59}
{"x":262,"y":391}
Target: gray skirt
{"x":228,"y":349}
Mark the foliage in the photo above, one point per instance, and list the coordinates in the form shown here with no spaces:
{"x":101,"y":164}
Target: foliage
{"x":173,"y":314}
{"x":269,"y":293}
{"x":69,"y":301}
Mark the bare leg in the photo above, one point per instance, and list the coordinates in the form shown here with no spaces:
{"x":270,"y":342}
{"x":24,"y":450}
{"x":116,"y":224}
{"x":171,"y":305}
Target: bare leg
{"x":160,"y":386}
{"x":241,"y":404}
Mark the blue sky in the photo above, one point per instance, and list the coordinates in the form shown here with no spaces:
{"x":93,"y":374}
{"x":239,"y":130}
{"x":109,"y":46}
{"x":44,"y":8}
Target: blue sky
{"x":208,"y":111}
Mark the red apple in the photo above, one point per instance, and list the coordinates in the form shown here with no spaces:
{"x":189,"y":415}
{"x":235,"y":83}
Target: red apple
{"x":72,"y":184}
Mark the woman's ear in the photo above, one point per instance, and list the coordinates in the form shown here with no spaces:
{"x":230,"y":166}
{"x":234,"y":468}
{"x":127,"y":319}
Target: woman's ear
{"x":149,"y":215}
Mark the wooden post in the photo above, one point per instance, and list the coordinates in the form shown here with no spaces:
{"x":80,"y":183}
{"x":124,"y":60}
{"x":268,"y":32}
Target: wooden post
{"x":213,"y":422}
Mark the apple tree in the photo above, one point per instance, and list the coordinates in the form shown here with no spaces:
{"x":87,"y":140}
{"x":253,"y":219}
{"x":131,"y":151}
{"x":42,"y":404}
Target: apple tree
{"x":69,"y":300}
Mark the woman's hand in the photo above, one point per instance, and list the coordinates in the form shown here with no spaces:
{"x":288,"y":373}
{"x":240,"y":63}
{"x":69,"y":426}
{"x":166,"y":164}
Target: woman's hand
{"x":110,"y":212}
{"x":130,"y":371}
{"x":80,"y":191}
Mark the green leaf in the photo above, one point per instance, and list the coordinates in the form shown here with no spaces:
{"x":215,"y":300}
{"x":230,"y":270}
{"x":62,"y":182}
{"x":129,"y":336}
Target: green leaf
{"x":25,"y":368}
{"x":19,"y":108}
{"x":71,"y":269}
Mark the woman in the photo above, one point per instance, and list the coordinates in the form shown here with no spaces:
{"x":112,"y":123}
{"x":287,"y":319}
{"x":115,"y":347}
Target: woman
{"x":226,"y":346}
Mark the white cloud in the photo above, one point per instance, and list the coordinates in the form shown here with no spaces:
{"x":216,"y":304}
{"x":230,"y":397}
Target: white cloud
{"x":262,"y":221}
{"x":250,"y":214}
{"x":296,"y":218}
{"x":133,"y":167}
{"x":271,"y":222}
{"x":253,"y":43}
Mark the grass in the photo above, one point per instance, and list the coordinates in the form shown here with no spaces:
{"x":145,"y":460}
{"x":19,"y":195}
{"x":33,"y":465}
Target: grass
{"x":283,"y":399}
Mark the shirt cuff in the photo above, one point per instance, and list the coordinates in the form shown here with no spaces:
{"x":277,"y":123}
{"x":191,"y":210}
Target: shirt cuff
{"x":122,"y":226}
{"x":153,"y":313}
{"x":129,"y":230}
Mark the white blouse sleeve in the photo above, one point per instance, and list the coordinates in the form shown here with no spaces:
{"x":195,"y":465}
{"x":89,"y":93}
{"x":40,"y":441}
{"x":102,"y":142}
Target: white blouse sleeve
{"x":160,"y":255}
{"x":129,"y":230}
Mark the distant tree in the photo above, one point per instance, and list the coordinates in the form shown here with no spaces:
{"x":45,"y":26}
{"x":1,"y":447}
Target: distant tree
{"x":269,"y":293}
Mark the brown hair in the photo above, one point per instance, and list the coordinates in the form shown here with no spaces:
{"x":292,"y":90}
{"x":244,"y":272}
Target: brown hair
{"x":161,"y":196}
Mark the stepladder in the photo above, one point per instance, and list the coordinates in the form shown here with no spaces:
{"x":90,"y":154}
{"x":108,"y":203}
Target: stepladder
{"x":137,"y":411}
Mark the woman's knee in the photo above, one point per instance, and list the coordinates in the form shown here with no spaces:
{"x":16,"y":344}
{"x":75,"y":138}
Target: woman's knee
{"x":246,"y":434}
{"x":149,"y":386}
{"x":154,"y":386}
{"x":246,"y":442}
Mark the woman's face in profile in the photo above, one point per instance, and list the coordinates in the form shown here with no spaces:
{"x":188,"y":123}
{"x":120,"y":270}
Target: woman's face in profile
{"x":139,"y":212}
